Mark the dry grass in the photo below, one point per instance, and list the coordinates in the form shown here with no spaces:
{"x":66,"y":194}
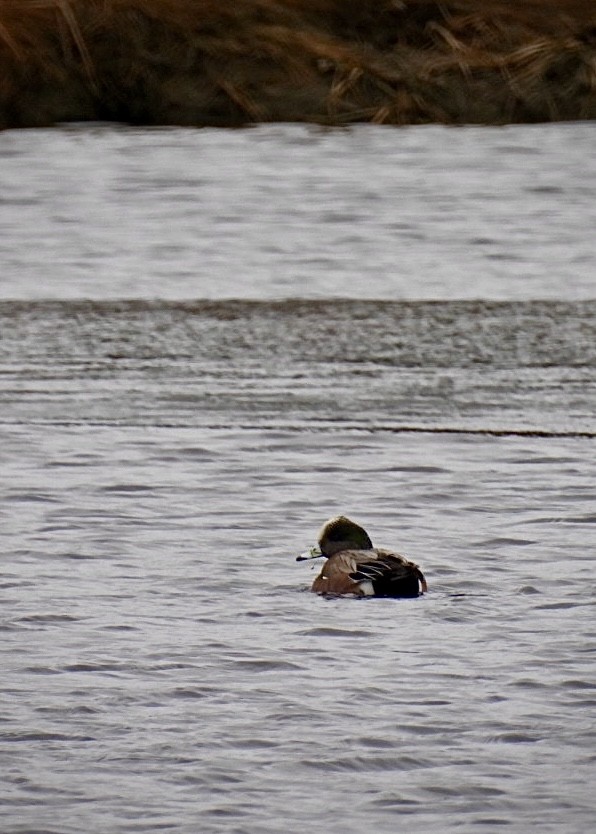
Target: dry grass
{"x":201,"y":62}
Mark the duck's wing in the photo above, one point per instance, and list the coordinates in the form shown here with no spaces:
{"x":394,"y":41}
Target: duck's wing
{"x":391,"y":575}
{"x":336,"y":575}
{"x":370,"y":573}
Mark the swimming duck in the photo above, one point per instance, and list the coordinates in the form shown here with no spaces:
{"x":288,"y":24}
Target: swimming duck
{"x":355,"y":567}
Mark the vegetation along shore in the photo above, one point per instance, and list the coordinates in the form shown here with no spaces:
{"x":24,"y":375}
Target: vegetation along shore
{"x":330,"y":62}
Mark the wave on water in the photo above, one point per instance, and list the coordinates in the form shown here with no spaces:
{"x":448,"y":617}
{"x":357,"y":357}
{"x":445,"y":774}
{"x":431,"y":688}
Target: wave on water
{"x":491,"y":368}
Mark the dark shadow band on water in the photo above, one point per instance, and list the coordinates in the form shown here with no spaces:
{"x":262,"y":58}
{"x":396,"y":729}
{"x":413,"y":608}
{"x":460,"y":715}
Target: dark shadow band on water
{"x":510,"y":432}
{"x":319,"y":429}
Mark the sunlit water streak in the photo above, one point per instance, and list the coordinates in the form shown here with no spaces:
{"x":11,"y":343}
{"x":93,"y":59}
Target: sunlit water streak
{"x":163,"y":665}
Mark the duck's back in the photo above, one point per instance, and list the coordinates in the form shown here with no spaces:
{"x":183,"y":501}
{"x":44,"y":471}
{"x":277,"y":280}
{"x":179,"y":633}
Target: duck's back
{"x":374,"y":572}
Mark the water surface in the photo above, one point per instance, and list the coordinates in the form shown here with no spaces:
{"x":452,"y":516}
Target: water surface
{"x":285,"y":211}
{"x":212,"y":341}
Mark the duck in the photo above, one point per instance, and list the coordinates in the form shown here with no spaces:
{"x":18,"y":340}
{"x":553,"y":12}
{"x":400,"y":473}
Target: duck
{"x":353,"y":566}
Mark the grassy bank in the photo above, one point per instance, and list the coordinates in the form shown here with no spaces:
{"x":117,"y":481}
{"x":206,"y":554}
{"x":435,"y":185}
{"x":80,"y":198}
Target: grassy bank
{"x":212,"y":62}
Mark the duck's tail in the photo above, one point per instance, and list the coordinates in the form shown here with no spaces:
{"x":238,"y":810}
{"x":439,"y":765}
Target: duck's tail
{"x":421,"y":579}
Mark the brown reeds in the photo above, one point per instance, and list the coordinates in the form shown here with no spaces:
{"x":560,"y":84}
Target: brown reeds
{"x":208,"y":62}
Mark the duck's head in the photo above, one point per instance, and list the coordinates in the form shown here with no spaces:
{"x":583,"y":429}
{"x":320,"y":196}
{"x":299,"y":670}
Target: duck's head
{"x":338,"y":534}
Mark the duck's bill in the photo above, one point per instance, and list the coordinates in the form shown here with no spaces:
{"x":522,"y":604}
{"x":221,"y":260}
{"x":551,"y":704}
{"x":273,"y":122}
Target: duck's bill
{"x":311,"y":553}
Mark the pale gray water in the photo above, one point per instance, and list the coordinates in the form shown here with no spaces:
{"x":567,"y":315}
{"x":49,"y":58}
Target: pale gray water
{"x":280,"y":211}
{"x":163,"y":666}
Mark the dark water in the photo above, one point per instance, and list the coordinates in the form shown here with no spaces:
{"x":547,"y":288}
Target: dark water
{"x":478,"y":366}
{"x":164,"y":667}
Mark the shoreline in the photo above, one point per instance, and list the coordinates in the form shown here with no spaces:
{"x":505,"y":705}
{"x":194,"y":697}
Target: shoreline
{"x":328,"y":62}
